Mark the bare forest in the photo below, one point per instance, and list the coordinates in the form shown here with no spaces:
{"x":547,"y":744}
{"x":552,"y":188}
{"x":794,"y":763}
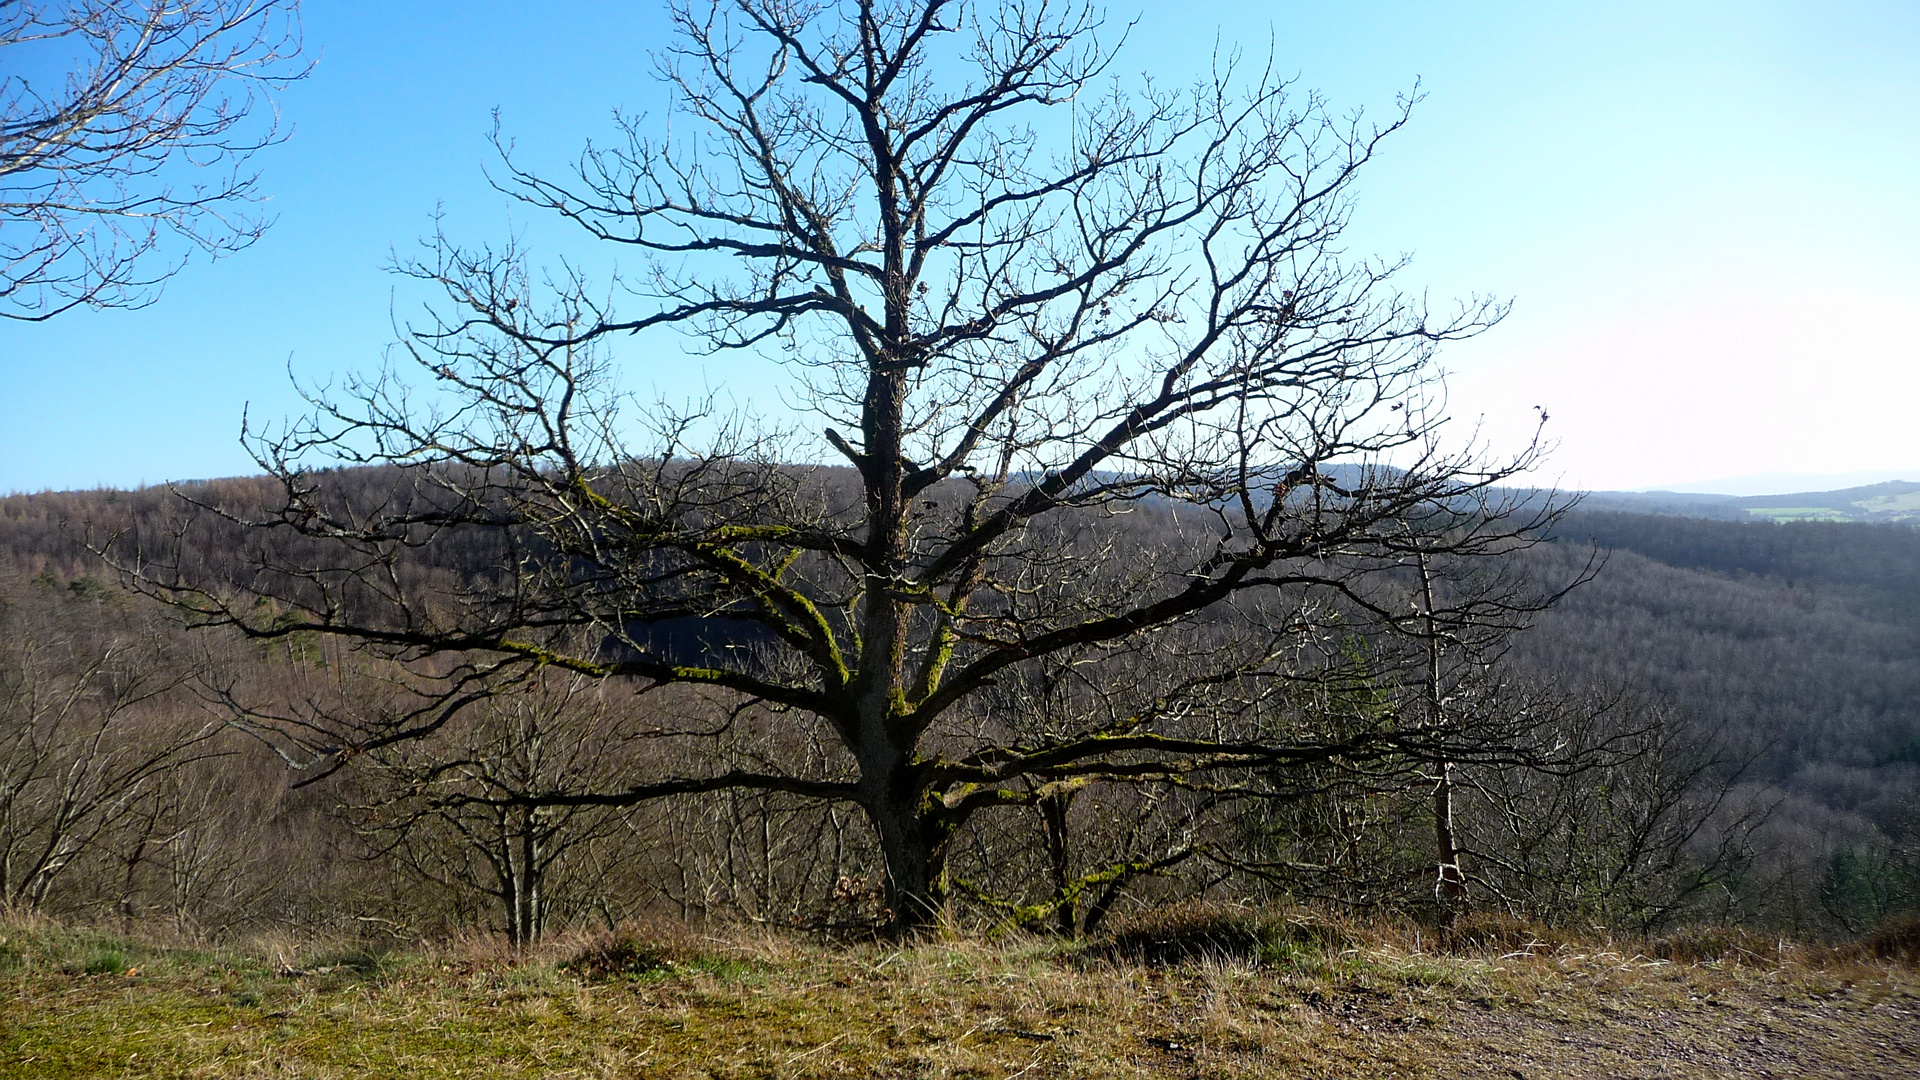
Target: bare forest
{"x":1759,"y":724}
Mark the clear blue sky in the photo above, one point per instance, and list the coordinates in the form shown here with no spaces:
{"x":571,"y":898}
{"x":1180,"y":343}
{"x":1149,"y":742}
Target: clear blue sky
{"x":1708,"y":215}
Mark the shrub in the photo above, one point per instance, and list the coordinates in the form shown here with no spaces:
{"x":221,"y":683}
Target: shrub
{"x":107,"y":960}
{"x":364,"y":960}
{"x":620,"y":955}
{"x":1497,"y":931}
{"x":1196,"y":930}
{"x":1895,"y":939}
{"x":1706,"y":943}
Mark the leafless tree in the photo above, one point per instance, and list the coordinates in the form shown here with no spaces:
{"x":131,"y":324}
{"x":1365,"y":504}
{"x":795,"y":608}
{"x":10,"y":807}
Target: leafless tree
{"x":1649,"y":836}
{"x":464,"y":808}
{"x":1096,"y":365}
{"x":199,"y":847}
{"x":124,"y":123}
{"x":84,"y":741}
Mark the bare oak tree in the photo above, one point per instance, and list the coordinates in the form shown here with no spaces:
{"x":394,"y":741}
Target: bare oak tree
{"x":1096,"y":365}
{"x":124,"y":123}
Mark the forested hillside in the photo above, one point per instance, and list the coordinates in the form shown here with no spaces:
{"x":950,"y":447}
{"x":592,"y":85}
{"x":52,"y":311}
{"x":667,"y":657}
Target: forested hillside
{"x":1797,"y":646}
{"x":1779,"y":660}
{"x":1803,"y":636}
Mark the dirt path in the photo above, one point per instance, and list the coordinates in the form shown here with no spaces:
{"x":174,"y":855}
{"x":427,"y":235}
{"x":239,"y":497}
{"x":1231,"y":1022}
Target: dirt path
{"x":1737,"y":1035}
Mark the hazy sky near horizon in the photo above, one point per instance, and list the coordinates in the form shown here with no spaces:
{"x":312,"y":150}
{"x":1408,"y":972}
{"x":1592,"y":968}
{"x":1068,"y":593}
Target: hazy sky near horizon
{"x":1705,"y":214}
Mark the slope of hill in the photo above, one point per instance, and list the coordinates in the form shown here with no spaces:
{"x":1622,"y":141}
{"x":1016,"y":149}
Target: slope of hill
{"x":1796,"y":645}
{"x":1819,"y":665}
{"x":1892,"y":501}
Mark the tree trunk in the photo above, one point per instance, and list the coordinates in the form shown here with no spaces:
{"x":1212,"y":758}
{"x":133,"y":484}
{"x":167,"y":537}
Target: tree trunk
{"x":1450,"y":882}
{"x":914,"y":850}
{"x":1053,"y":820}
{"x":894,"y":795}
{"x":1450,"y":888}
{"x":519,"y":865}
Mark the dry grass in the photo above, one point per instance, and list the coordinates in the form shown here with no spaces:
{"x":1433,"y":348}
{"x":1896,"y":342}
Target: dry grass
{"x":1191,"y":992}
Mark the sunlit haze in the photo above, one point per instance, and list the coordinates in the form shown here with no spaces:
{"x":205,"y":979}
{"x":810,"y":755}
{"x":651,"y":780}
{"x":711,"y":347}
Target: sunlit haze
{"x":1704,"y":214}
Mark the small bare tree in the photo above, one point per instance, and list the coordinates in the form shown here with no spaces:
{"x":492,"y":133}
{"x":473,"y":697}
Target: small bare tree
{"x":470,"y":807}
{"x":88,"y":730}
{"x":1650,"y":834}
{"x":123,"y":123}
{"x":1092,"y":357}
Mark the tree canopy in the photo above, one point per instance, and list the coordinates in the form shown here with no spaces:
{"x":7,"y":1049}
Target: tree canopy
{"x":1117,"y":415}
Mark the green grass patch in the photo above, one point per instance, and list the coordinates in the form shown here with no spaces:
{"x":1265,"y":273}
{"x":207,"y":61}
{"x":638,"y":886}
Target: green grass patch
{"x":1800,"y":513}
{"x":1892,"y":504}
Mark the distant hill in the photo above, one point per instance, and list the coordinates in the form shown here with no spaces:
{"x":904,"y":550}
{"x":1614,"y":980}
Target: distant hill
{"x":1893,"y":501}
{"x":1773,"y":483}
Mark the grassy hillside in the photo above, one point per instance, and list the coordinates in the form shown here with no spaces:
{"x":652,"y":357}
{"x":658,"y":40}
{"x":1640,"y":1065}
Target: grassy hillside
{"x":1284,"y":994}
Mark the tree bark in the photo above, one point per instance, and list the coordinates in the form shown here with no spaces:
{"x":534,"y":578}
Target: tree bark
{"x":1053,"y":819}
{"x":914,"y":853}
